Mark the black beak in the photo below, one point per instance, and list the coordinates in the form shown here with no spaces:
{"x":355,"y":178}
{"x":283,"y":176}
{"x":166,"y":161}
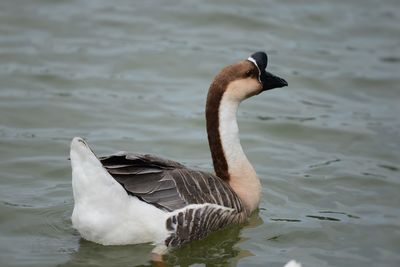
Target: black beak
{"x":270,"y":81}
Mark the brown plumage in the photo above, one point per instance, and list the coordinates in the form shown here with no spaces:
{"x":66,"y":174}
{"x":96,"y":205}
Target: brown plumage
{"x":168,"y":184}
{"x":244,"y":69}
{"x":171,"y":186}
{"x":189,"y":204}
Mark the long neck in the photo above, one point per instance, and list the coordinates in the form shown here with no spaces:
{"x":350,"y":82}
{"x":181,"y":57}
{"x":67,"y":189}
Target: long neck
{"x":230,"y":162}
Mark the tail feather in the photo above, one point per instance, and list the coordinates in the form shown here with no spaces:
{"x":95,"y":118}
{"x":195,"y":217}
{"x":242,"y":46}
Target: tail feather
{"x":90,"y":179}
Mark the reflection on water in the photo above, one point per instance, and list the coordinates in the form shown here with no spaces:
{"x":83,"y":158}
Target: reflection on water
{"x":220,"y":247}
{"x":91,"y":254}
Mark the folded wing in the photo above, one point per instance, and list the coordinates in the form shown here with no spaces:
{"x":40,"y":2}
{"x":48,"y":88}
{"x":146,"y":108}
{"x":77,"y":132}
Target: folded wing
{"x":167,"y":184}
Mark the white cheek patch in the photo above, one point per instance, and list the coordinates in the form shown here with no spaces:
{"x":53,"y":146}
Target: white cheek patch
{"x":255,"y":63}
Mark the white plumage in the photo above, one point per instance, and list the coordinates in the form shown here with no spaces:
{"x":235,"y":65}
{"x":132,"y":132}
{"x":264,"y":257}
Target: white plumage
{"x":293,"y":263}
{"x":104,"y":213}
{"x":129,"y":198}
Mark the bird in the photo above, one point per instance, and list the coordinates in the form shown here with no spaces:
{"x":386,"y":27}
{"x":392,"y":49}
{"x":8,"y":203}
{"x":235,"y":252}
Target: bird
{"x":130,"y":198}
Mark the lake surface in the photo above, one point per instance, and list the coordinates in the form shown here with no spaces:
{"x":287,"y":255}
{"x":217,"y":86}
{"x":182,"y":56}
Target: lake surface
{"x":134,"y":76}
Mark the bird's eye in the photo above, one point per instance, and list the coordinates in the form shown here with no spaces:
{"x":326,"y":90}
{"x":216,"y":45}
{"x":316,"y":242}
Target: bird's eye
{"x":248,"y":73}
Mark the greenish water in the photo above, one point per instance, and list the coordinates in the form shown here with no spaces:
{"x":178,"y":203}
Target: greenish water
{"x":134,"y":76}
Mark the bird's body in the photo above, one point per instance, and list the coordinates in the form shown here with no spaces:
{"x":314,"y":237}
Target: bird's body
{"x":130,"y":198}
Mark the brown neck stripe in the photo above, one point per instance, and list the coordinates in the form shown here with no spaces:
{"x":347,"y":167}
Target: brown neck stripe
{"x":214,"y":98}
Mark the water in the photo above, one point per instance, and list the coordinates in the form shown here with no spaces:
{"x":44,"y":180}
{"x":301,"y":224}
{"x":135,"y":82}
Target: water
{"x":133,"y":76}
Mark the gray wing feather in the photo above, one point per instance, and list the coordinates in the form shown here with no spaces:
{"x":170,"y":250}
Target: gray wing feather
{"x":168,"y":184}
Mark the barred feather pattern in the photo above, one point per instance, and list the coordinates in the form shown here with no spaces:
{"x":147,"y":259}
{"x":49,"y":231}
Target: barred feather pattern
{"x":199,"y":202}
{"x":197,"y":221}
